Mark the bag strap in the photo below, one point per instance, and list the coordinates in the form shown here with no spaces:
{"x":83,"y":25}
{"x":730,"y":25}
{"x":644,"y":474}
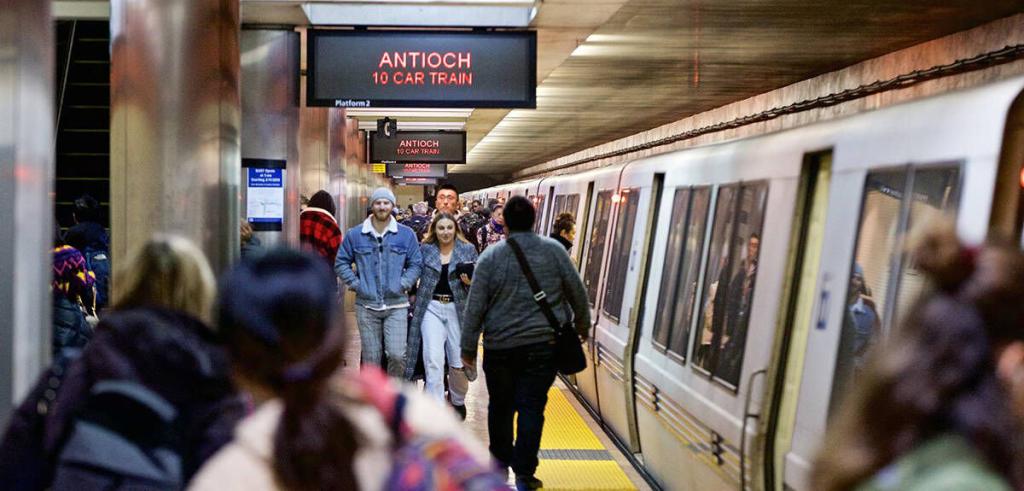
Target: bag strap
{"x":538,"y":295}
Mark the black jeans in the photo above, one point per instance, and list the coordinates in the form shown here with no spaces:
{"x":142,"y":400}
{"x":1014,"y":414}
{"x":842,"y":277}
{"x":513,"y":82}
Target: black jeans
{"x":518,"y":380}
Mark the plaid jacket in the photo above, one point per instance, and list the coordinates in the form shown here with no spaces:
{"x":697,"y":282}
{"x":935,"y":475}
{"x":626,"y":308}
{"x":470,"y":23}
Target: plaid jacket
{"x":319,"y":232}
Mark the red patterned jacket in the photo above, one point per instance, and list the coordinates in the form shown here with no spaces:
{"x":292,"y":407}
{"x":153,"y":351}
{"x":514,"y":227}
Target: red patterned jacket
{"x":319,"y":232}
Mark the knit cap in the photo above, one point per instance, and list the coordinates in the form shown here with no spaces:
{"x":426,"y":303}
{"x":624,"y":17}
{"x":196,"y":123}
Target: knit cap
{"x":382,"y":193}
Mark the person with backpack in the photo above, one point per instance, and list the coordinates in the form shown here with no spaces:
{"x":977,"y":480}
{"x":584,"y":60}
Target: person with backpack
{"x":146,"y":402}
{"x":92,"y":240}
{"x":317,"y":427}
{"x":72,"y":288}
{"x":519,"y":334}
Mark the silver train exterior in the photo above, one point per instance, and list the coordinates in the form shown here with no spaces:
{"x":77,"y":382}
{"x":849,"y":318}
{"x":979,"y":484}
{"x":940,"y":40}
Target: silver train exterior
{"x":718,"y":371}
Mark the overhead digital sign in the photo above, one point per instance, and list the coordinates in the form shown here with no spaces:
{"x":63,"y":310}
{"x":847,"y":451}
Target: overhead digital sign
{"x":360,"y":68}
{"x":416,"y":181}
{"x":419,"y":147}
{"x":417,"y":170}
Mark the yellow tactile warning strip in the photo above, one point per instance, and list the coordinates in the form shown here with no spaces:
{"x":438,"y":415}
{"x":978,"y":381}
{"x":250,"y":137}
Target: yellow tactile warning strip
{"x":571,"y":456}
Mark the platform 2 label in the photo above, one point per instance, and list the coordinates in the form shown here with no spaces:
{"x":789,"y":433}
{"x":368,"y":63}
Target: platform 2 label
{"x":422,"y":69}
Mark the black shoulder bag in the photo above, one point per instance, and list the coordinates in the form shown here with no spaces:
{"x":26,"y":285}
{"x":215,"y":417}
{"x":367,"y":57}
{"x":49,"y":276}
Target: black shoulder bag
{"x":568,"y":352}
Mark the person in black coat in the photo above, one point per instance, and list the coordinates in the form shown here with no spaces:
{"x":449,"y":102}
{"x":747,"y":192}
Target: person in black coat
{"x":155,"y":337}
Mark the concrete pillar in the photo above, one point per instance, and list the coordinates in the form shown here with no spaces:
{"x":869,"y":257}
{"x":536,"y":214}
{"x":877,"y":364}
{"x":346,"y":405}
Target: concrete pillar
{"x":175,"y":127}
{"x":270,"y":115}
{"x":26,"y":202}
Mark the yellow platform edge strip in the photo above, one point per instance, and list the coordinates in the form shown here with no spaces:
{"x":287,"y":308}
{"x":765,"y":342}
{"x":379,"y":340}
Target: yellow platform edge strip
{"x":565,"y":429}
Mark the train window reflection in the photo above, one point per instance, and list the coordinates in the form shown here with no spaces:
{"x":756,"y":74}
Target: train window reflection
{"x":883,"y":283}
{"x":729,"y":280}
{"x":592,"y":273}
{"x":689,"y":274}
{"x":670,"y":271}
{"x":538,"y":203}
{"x":621,"y":246}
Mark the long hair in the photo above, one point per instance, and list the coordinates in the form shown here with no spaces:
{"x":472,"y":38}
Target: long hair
{"x":167,"y":271}
{"x":431,"y":235}
{"x":937,"y":375}
{"x":280,"y":319}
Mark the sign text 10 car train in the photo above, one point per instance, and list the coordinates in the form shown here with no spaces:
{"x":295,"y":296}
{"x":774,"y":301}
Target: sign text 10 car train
{"x":359,"y":68}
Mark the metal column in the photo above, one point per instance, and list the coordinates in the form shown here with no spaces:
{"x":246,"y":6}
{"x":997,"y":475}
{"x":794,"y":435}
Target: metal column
{"x":175,"y":124}
{"x":270,"y":115}
{"x":26,"y":203}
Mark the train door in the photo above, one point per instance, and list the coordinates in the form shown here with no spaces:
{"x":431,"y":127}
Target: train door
{"x":794,"y":320}
{"x":866,"y":284}
{"x":594,"y":273}
{"x":629,"y":231}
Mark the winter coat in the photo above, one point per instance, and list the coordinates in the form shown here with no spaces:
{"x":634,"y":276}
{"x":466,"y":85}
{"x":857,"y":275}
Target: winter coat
{"x":490,"y":234}
{"x":944,"y":463}
{"x":88,"y":235}
{"x":319,"y":233}
{"x":247,"y":463}
{"x":385,"y":270}
{"x":464,"y":252}
{"x":168,"y":352}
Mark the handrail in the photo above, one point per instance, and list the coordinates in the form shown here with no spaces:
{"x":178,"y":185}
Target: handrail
{"x":747,"y":415}
{"x":64,"y":81}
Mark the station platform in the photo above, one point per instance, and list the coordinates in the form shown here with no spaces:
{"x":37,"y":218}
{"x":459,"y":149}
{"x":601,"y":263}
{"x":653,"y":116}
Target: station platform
{"x":575,"y":454}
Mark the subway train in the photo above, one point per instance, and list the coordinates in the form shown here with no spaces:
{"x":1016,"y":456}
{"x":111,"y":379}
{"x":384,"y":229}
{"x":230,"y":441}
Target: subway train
{"x":720,"y":276}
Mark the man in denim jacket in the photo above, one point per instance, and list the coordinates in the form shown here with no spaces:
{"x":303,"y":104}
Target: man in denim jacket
{"x":380,"y":260}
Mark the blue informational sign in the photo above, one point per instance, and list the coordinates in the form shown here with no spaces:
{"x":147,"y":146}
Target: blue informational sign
{"x":265,"y":195}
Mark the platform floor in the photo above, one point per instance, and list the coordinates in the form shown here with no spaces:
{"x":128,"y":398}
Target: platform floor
{"x":575,"y":453}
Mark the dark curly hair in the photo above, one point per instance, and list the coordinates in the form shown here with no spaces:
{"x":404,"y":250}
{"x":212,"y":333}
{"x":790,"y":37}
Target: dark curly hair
{"x":937,"y":375}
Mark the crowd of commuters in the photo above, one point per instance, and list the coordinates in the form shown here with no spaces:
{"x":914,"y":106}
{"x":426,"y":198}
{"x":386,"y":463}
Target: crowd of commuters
{"x":163,"y":394}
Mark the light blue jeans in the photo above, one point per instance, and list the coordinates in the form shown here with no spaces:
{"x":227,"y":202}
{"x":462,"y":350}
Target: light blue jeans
{"x":383,"y":332}
{"x":441,"y":336}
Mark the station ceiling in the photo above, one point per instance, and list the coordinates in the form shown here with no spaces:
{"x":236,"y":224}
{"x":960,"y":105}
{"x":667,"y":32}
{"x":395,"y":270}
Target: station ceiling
{"x":612,"y":68}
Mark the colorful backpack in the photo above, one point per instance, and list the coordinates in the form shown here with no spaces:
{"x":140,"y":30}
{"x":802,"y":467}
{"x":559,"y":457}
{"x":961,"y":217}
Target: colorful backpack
{"x":424,"y":463}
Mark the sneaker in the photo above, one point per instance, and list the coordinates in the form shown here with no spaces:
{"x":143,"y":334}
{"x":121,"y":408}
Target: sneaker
{"x":460,"y":410}
{"x":528,"y":482}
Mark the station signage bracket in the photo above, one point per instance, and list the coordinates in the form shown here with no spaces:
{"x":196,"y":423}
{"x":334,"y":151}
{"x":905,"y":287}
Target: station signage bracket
{"x":408,"y":68}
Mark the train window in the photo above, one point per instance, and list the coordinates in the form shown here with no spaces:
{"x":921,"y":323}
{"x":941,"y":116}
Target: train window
{"x":592,"y":273}
{"x":689,"y":274}
{"x":621,"y":247}
{"x":729,"y":280}
{"x":883,"y":284}
{"x":538,"y":203}
{"x":670,"y":272}
{"x":559,"y":205}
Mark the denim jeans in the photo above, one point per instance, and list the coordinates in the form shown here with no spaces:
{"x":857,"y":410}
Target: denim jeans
{"x":383,"y":332}
{"x":518,"y":380}
{"x":441,"y":336}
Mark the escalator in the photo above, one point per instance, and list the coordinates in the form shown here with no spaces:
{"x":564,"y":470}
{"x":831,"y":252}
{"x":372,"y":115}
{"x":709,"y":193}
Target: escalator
{"x":83,"y":117}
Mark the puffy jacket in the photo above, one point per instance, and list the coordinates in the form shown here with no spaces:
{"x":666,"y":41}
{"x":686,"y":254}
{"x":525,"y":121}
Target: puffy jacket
{"x":464,"y":253}
{"x":384,"y":270}
{"x":170,"y":353}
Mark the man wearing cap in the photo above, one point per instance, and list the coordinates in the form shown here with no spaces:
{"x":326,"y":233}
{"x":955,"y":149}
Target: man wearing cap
{"x":380,"y":260}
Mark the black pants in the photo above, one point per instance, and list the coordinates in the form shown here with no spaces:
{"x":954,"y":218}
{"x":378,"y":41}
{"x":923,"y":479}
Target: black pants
{"x":518,"y":380}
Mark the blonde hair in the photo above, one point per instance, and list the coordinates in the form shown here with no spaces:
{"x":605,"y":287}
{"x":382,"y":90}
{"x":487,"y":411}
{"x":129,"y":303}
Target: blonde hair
{"x":169,"y":272}
{"x":431,"y":235}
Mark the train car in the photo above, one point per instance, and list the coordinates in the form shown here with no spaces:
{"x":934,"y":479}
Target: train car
{"x":720,"y":276}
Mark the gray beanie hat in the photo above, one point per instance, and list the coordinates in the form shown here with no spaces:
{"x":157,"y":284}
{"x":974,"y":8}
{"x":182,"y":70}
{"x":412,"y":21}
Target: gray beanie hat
{"x":382,"y":193}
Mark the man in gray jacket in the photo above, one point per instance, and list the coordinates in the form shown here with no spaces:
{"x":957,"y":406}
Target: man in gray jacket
{"x":519,"y":342}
